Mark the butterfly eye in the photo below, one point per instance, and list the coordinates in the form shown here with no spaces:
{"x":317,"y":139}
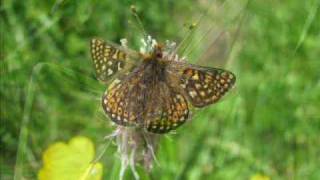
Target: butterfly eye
{"x":159,"y":54}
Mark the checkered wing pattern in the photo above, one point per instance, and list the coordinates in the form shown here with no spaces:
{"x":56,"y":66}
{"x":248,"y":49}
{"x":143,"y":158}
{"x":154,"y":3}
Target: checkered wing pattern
{"x":117,"y":105}
{"x":204,"y":85}
{"x":108,"y":59}
{"x":166,"y":111}
{"x":156,"y":94}
{"x":158,"y":108}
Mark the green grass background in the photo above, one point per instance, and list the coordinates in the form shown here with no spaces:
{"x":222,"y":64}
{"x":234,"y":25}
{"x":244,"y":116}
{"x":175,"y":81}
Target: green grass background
{"x":269,"y":124}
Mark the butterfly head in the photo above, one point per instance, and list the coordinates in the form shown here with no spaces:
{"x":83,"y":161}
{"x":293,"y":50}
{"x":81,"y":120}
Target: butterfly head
{"x":157,"y":52}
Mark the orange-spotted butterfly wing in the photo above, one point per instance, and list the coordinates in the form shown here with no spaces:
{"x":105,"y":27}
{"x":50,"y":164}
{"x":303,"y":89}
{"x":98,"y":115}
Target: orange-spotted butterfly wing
{"x":204,"y":85}
{"x":154,"y":106}
{"x":109,"y":59}
{"x":153,"y":96}
{"x":117,"y":106}
{"x":167,"y":109}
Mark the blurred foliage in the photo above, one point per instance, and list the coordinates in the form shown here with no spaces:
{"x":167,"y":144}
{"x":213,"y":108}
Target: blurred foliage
{"x":269,"y":125}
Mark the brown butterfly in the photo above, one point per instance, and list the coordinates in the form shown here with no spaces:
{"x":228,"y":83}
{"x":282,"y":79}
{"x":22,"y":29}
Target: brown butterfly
{"x":154,"y":90}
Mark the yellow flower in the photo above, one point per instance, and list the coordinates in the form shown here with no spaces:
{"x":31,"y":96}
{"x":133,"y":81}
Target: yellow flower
{"x":70,"y":161}
{"x":259,"y":177}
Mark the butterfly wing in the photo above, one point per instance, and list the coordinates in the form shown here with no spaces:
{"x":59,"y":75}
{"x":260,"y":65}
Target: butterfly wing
{"x":124,"y":101}
{"x":155,"y":107}
{"x":117,"y":106}
{"x":202,"y":85}
{"x":205,"y":86}
{"x":110,"y":59}
{"x":166,"y":110}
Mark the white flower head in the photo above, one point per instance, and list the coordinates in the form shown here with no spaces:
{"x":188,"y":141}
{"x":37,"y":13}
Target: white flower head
{"x":124,"y":42}
{"x":148,"y":44}
{"x":169,"y":50}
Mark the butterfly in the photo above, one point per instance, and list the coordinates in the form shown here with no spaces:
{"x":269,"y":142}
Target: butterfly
{"x":154,"y":90}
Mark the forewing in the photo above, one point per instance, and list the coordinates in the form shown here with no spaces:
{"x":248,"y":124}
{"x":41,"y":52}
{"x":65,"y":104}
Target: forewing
{"x":167,"y":110}
{"x":202,"y":85}
{"x":109,"y":59}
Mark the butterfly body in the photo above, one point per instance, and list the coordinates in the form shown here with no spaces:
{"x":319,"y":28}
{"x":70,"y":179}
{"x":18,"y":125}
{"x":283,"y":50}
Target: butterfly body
{"x":157,"y":93}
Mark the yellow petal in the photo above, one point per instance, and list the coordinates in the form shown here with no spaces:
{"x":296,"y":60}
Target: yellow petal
{"x":259,"y":177}
{"x":70,"y":161}
{"x":93,"y":172}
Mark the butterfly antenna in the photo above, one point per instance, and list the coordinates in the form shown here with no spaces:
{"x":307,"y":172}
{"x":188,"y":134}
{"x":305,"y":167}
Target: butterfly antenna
{"x":138,"y":19}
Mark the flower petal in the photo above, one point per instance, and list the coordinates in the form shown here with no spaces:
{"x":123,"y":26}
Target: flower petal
{"x":70,"y":161}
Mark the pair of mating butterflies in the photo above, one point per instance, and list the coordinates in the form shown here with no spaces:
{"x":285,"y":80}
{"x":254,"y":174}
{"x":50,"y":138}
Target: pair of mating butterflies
{"x":154,"y":90}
